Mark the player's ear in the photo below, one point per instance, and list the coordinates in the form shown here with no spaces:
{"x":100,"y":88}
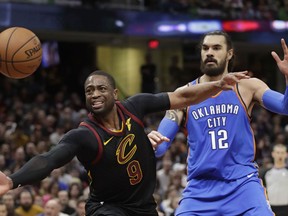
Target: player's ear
{"x":230,"y":54}
{"x":115,"y":94}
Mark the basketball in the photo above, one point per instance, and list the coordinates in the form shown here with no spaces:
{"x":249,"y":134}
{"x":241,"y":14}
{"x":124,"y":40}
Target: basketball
{"x":20,"y":52}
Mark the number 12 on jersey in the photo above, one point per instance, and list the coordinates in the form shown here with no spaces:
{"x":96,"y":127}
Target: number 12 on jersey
{"x":219,"y":139}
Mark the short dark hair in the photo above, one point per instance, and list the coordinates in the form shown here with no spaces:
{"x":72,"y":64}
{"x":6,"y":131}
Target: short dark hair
{"x":107,"y":75}
{"x":228,"y":42}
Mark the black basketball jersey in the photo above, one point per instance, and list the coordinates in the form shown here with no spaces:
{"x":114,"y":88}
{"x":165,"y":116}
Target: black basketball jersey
{"x":120,"y":164}
{"x":124,"y":169}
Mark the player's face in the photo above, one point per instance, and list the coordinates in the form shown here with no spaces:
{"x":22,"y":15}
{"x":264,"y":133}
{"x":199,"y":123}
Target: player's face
{"x":100,"y":96}
{"x":214,"y":55}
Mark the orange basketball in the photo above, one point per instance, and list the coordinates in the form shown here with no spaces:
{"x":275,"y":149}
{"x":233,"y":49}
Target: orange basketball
{"x":20,"y":52}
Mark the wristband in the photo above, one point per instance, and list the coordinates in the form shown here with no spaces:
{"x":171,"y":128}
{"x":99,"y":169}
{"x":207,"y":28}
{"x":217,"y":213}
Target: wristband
{"x":275,"y":101}
{"x":168,"y":128}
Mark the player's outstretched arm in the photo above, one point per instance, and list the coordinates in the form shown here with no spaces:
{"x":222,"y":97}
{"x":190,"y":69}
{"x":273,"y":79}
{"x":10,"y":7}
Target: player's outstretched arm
{"x":282,"y":64}
{"x":5,"y":183}
{"x":272,"y":100}
{"x":197,"y":93}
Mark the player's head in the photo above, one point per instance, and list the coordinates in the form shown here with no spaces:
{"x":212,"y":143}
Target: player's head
{"x":217,"y":53}
{"x":100,"y":92}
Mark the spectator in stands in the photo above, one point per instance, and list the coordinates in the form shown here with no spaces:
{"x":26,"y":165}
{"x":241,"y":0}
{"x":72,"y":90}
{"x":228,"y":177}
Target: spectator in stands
{"x":3,"y":209}
{"x":276,"y":181}
{"x":75,"y":192}
{"x":80,"y":207}
{"x":18,"y":159}
{"x":9,"y":200}
{"x":26,"y":204}
{"x":148,"y":75}
{"x":64,"y":201}
{"x":52,"y":208}
{"x":175,"y":73}
{"x":164,"y":176}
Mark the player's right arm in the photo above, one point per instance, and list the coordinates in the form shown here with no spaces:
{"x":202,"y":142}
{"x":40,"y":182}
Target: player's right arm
{"x":41,"y":165}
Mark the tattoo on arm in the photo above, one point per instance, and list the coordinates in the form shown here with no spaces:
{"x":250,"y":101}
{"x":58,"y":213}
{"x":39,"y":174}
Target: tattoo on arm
{"x":172,"y":114}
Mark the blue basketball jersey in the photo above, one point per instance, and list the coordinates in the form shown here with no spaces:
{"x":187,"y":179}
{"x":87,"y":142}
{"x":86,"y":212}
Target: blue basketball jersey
{"x":221,"y":141}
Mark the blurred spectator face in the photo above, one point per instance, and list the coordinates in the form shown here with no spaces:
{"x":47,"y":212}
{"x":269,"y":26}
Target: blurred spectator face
{"x":19,"y":154}
{"x":8,"y":199}
{"x":38,"y":201}
{"x":52,"y":208}
{"x":31,"y":148}
{"x":3,"y":210}
{"x":5,"y":150}
{"x":56,"y":173}
{"x":63,"y":197}
{"x":167,"y":165}
{"x":26,"y":200}
{"x":2,"y":161}
{"x":75,"y":190}
{"x":41,"y":147}
{"x":80,"y":209}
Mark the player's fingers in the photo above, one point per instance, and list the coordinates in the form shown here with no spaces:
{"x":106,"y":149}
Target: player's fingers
{"x":166,"y":139}
{"x":242,"y":74}
{"x":154,"y":136}
{"x":275,"y":56}
{"x":284,"y":46}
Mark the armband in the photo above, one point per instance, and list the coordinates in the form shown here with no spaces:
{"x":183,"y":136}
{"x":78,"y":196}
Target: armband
{"x":168,"y":128}
{"x":275,"y":101}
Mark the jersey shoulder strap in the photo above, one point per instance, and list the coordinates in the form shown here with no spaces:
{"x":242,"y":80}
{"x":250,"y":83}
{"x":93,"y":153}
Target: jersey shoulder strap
{"x":100,"y":146}
{"x":126,"y":112}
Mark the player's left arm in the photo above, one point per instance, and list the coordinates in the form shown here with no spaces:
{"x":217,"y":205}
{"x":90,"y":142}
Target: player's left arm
{"x":273,"y":100}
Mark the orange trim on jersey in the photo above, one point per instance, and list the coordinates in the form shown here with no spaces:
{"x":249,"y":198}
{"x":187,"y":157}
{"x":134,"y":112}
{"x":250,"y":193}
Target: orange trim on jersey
{"x":214,"y":96}
{"x":100,"y":149}
{"x":242,"y":103}
{"x":249,"y":118}
{"x":112,"y":132}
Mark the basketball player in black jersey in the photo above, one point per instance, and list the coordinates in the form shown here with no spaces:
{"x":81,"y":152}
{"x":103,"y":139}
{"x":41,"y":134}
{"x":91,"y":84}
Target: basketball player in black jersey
{"x":113,"y":147}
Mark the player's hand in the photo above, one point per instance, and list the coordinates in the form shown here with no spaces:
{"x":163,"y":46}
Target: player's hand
{"x":282,"y":64}
{"x":157,"y":138}
{"x":229,"y":80}
{"x":5,"y":183}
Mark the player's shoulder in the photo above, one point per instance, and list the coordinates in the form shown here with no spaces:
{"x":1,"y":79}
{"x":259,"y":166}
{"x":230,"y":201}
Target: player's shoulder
{"x":252,"y":83}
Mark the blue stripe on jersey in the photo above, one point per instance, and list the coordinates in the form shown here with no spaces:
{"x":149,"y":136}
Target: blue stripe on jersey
{"x":221,"y":141}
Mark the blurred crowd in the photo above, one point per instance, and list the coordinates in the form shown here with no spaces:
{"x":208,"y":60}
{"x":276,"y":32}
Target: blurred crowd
{"x":229,"y":9}
{"x":34,"y":117}
{"x":216,"y":9}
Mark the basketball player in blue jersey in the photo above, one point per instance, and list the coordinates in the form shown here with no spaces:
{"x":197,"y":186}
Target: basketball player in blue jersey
{"x":222,"y":176}
{"x":112,"y":145}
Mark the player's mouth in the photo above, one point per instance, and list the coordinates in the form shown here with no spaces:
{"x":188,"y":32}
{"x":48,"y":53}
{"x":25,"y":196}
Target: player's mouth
{"x":210,"y":61}
{"x":97,"y":104}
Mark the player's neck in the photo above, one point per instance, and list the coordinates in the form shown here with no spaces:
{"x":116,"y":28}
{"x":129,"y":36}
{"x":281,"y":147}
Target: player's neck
{"x":111,"y":121}
{"x":206,"y":78}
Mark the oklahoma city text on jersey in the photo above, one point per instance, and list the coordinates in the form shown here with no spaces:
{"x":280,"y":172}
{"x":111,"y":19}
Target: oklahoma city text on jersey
{"x":215,"y":110}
